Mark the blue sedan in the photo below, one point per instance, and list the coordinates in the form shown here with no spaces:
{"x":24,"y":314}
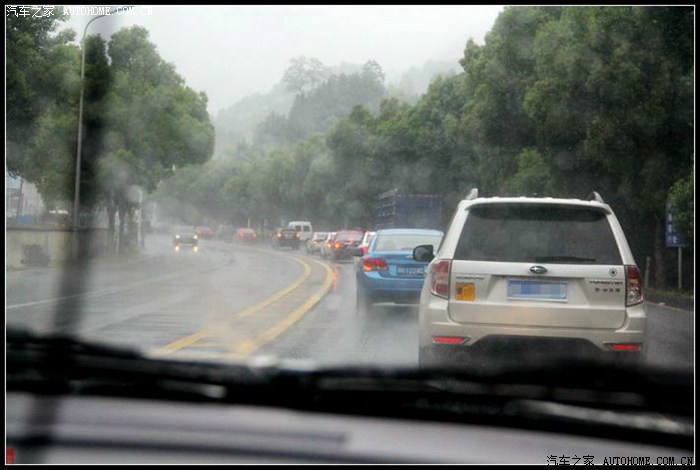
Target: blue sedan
{"x":388,"y":272}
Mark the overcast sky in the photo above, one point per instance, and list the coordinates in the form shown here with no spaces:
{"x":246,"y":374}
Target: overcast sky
{"x":231,"y":52}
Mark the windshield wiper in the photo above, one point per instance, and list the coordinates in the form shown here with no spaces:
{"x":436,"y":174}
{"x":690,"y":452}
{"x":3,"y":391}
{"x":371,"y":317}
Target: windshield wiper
{"x":562,"y":258}
{"x":606,"y":400}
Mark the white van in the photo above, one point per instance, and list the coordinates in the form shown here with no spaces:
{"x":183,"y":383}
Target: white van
{"x":303,"y":228}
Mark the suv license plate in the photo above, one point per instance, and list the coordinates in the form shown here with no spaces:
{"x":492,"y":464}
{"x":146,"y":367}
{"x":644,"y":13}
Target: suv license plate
{"x":537,"y":290}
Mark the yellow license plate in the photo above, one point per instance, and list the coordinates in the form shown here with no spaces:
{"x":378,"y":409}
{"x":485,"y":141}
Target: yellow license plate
{"x":465,"y":291}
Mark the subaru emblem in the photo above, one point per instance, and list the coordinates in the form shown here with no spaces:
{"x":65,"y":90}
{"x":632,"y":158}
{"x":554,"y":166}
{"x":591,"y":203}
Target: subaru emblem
{"x":538,"y":270}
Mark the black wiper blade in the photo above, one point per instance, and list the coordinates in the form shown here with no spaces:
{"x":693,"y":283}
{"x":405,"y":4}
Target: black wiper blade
{"x":598,"y":399}
{"x":66,"y":365}
{"x":561,"y":258}
{"x":521,"y":396}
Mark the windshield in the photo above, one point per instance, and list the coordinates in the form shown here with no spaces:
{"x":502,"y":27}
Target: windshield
{"x":553,"y":146}
{"x":398,"y":242}
{"x":184,"y":230}
{"x":349,"y":236}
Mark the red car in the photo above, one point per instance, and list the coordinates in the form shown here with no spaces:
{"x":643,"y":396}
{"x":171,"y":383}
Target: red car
{"x":246,"y":235}
{"x":204,"y":232}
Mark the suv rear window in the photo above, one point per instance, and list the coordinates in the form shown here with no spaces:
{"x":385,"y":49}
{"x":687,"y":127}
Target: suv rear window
{"x":537,"y":234}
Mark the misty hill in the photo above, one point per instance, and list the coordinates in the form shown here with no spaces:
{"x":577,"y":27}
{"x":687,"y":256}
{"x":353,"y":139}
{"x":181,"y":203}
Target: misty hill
{"x":416,"y":80}
{"x":237,"y":123}
{"x":281,"y":116}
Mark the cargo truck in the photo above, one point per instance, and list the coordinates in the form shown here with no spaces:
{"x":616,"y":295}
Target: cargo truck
{"x":401,"y":209}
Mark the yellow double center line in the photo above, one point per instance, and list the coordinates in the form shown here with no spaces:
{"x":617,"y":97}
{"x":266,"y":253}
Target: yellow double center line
{"x":250,"y":345}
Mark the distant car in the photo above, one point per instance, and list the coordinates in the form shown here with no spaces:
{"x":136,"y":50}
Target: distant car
{"x":343,"y":241}
{"x":326,"y":246}
{"x":364,"y":244}
{"x":532,"y":276}
{"x":246,"y":235}
{"x":286,"y":237}
{"x":185,"y":236}
{"x":388,"y":272}
{"x":314,"y":244}
{"x":226,"y":233}
{"x":204,"y":232}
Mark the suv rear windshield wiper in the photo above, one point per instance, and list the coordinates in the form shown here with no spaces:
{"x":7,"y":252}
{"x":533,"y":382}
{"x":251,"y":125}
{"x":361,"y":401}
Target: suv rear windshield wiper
{"x":561,"y":258}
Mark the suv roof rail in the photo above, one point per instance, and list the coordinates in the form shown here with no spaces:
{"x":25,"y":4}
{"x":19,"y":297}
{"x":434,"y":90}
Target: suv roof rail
{"x":473,"y":194}
{"x":594,"y":196}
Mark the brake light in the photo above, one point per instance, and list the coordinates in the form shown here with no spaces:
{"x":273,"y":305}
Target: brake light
{"x":625,"y":347}
{"x":372,"y":264}
{"x":633,"y":286}
{"x":439,"y":278}
{"x":448,"y":339}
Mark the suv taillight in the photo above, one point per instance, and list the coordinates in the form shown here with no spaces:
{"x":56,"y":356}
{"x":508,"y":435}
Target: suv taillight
{"x":634,"y":293}
{"x":439,"y":278}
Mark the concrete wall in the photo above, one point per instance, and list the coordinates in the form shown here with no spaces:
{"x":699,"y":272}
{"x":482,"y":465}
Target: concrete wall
{"x":50,"y":245}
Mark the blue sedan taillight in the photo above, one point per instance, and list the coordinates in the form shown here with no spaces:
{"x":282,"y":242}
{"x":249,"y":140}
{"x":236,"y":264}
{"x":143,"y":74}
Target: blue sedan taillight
{"x":373,"y":264}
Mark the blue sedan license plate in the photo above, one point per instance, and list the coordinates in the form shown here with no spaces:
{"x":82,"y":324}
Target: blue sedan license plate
{"x":410,"y":270}
{"x":537,"y":290}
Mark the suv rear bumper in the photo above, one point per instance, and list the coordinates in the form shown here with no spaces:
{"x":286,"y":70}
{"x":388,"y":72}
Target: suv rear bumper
{"x":435,"y":321}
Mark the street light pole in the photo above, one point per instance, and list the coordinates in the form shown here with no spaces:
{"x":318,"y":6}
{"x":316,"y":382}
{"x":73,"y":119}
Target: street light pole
{"x":76,"y":201}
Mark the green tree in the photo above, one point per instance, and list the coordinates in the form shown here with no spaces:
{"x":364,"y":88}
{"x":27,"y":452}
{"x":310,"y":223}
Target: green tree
{"x":612,"y":109}
{"x":319,"y":110}
{"x":498,"y":75}
{"x":682,"y":197}
{"x":305,"y":74}
{"x":42,"y":77}
{"x":152,"y":115}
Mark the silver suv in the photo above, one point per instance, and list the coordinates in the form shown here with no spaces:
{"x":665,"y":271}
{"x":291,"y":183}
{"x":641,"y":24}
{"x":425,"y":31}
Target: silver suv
{"x":521,"y":275}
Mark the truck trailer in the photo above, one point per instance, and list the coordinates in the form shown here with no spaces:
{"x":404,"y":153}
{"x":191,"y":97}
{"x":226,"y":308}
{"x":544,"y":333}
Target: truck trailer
{"x":401,"y":209}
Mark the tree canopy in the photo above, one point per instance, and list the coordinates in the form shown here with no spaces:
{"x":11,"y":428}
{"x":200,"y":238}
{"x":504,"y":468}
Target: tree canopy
{"x":140,"y":120}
